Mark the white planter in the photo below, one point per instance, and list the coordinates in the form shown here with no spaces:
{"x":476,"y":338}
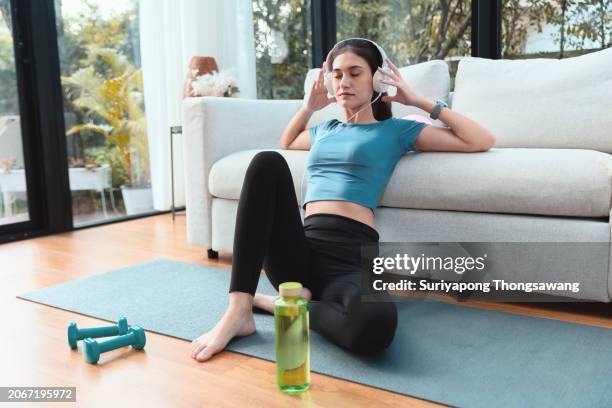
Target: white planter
{"x":137,"y":200}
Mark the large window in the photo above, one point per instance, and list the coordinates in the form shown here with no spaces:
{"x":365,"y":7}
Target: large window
{"x":555,"y":28}
{"x":108,"y":153}
{"x":13,"y":189}
{"x":282,"y":47}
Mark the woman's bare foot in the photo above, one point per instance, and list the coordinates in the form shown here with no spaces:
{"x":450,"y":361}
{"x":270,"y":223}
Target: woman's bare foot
{"x":237,"y":321}
{"x":266,"y":302}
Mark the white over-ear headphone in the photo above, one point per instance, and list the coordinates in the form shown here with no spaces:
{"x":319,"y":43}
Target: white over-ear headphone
{"x":378,"y":76}
{"x":378,"y":86}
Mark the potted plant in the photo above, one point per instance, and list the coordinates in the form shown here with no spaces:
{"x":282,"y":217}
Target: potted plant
{"x":113,"y":100}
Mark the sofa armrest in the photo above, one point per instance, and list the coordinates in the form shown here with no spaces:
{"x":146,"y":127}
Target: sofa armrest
{"x":214,"y":127}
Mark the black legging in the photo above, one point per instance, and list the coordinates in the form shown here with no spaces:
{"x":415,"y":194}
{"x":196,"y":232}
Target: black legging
{"x":324,"y":254}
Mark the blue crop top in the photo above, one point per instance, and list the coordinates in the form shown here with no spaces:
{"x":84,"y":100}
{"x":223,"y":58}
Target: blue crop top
{"x":354,"y":162}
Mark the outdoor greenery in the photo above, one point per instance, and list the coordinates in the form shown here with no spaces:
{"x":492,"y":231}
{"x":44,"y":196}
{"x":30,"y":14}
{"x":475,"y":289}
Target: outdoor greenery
{"x":413,"y":31}
{"x":283,"y":43}
{"x":100,"y":63}
{"x":409,"y":31}
{"x":100,"y":66}
{"x":112,"y":100}
{"x":576,"y":20}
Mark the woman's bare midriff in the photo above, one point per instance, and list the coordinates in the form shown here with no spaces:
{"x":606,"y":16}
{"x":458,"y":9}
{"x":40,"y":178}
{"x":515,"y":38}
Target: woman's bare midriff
{"x":346,"y":208}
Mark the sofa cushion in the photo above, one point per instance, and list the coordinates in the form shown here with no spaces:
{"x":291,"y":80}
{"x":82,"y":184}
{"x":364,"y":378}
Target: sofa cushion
{"x":565,"y":182}
{"x":430,"y":79}
{"x":540,"y":102}
{"x":561,"y":182}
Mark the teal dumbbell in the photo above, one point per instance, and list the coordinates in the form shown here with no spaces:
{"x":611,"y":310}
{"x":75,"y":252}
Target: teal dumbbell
{"x":75,"y":334}
{"x":135,"y":338}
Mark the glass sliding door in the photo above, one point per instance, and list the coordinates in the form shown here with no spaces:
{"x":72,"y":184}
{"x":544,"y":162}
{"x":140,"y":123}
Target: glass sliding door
{"x":106,"y":135}
{"x":13,"y":188}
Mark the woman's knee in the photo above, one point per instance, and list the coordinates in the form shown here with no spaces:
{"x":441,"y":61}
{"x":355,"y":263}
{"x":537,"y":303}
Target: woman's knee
{"x":373,"y":326}
{"x":268,"y":161}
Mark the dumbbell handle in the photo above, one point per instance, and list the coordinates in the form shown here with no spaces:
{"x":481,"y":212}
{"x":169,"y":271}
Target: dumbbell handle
{"x":121,"y":341}
{"x":104,"y":331}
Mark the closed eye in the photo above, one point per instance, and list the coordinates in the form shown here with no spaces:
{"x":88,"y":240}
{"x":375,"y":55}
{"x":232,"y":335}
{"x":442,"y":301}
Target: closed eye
{"x":338,"y":76}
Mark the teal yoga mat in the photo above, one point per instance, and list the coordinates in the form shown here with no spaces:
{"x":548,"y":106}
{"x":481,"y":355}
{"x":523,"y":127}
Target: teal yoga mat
{"x":442,"y":352}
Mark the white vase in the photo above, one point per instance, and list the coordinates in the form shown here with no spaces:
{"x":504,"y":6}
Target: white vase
{"x":137,"y":200}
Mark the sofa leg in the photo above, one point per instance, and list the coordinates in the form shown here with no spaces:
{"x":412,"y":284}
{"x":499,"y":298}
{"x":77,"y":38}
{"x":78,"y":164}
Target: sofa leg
{"x":212,"y":254}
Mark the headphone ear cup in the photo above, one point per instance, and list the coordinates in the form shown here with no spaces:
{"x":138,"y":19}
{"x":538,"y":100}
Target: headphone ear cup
{"x":377,"y":85}
{"x":328,"y":84}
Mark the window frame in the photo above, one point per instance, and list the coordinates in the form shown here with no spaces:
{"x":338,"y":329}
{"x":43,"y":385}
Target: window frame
{"x":42,"y":123}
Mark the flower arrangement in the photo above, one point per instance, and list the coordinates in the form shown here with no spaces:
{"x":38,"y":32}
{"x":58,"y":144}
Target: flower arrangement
{"x":213,"y":84}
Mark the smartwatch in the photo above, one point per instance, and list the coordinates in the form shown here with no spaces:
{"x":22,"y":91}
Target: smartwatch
{"x":436,"y":110}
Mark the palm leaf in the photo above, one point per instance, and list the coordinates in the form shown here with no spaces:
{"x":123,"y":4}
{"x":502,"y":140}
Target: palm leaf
{"x":88,"y":126}
{"x":116,"y":61}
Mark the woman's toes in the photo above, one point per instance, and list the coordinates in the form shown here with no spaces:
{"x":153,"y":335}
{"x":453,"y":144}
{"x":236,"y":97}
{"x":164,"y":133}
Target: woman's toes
{"x":197,"y":349}
{"x":209,"y":351}
{"x":198,"y":344}
{"x":202,"y":356}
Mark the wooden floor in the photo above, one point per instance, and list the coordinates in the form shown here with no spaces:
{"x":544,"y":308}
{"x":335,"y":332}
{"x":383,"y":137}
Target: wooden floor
{"x":34,"y":350}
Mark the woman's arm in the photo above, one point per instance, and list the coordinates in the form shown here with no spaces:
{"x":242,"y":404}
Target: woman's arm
{"x":464,"y":134}
{"x":317,"y":99}
{"x":296,"y":125}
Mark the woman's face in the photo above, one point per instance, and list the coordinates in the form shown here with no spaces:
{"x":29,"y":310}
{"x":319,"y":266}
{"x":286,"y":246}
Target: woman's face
{"x":351,"y":80}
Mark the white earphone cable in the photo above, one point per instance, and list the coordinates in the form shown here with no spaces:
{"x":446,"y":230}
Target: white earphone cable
{"x":349,"y":119}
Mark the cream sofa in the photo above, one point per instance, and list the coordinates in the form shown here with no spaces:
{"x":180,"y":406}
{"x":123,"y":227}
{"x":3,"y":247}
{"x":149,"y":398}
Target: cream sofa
{"x":548,"y":178}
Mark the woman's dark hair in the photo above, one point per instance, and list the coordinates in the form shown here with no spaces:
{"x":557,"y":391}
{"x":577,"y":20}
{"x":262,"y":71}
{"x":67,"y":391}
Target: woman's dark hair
{"x":369,"y":52}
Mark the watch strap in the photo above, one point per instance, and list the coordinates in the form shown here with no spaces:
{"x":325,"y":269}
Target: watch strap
{"x":437,"y":109}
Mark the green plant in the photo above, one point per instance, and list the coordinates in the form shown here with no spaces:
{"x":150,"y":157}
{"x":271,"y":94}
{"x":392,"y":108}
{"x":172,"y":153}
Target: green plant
{"x":97,"y":155}
{"x":110,"y":92}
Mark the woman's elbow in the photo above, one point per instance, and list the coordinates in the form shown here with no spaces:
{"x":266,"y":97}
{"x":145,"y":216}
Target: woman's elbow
{"x":283,"y":142}
{"x":492,"y":141}
{"x":488,"y":141}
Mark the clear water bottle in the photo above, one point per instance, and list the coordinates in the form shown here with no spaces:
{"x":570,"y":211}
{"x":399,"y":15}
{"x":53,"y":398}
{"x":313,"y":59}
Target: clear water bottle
{"x":292,"y":339}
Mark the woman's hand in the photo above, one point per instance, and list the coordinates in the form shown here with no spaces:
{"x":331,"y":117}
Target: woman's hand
{"x":404,"y":95}
{"x":318,"y":98}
